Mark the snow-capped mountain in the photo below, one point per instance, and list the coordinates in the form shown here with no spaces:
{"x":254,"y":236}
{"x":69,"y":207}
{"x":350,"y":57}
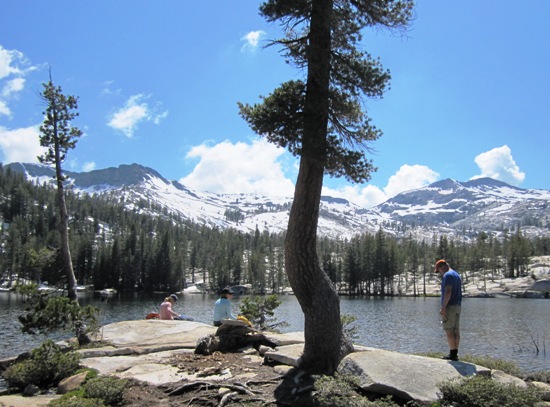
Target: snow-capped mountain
{"x":451,"y":207}
{"x":480,"y":204}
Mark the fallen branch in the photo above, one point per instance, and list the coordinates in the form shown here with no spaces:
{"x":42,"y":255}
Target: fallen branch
{"x":188,"y":387}
{"x":241,"y":388}
{"x":226,"y":398}
{"x":261,"y":382}
{"x":203,"y":401}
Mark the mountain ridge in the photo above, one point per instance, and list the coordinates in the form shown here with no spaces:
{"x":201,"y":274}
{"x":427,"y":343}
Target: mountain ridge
{"x":446,"y":206}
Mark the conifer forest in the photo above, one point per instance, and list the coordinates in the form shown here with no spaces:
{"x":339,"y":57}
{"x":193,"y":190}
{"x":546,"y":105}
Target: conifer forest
{"x":142,"y":246}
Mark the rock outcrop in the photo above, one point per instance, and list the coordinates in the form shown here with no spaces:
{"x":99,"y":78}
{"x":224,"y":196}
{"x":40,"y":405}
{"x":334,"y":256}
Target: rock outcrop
{"x":144,"y":350}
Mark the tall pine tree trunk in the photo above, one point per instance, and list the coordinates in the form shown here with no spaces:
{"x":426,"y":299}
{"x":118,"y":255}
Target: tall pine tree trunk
{"x":64,"y":228}
{"x":325,"y":342}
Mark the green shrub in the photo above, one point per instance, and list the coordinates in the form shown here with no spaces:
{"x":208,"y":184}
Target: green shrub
{"x":493,"y":363}
{"x":343,"y":391}
{"x":90,"y":373}
{"x":350,"y":330}
{"x":479,"y":391}
{"x":260,"y":311}
{"x":47,"y":366}
{"x":109,"y":389}
{"x":47,"y":313}
{"x":541,"y":376}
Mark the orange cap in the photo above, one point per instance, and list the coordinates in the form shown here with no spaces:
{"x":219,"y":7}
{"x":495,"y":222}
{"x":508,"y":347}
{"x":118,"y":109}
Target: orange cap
{"x":438,"y":263}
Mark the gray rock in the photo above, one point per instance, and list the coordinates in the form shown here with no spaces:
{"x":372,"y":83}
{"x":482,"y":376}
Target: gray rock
{"x":504,"y":378}
{"x":407,"y":377}
{"x":31,"y":390}
{"x":290,"y":338}
{"x":545,"y":389}
{"x":541,"y":285}
{"x":71,"y":383}
{"x":14,"y":400}
{"x":290,"y":355}
{"x":108,"y":365}
{"x":283,"y":369}
{"x":155,"y":332}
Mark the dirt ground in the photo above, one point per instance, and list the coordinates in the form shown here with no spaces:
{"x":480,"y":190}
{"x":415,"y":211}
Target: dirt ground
{"x":253,"y":382}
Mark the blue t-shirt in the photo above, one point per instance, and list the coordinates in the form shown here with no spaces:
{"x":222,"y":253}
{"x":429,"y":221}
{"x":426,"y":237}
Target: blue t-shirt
{"x":222,"y":309}
{"x":452,"y":278}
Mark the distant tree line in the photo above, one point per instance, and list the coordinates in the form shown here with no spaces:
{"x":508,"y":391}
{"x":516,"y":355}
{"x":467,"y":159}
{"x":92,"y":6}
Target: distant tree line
{"x":148,"y":248}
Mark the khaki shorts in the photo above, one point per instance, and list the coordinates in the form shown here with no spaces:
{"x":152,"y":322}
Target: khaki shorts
{"x":452,"y":323}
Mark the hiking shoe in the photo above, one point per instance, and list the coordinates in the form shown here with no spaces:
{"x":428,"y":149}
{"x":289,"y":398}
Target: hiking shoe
{"x":449,"y":357}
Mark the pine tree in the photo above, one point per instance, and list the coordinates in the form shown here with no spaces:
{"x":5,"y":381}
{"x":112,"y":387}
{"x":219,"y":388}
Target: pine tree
{"x":321,"y":120}
{"x":59,"y":136}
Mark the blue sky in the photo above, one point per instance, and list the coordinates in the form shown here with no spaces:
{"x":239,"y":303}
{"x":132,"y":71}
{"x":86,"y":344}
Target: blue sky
{"x":158,"y":84}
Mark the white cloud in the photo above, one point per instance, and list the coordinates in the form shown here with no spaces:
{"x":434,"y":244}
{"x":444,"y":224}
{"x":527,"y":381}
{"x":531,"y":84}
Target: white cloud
{"x":135,"y":111}
{"x":8,"y":61}
{"x":364,"y":196}
{"x":20,"y":145}
{"x":499,"y":164}
{"x":258,"y":168}
{"x":408,"y":177}
{"x":13,"y":67}
{"x":13,"y":86}
{"x":89,"y":166}
{"x":4,"y":109}
{"x":239,"y":167}
{"x":107,"y":90}
{"x":251,"y":40}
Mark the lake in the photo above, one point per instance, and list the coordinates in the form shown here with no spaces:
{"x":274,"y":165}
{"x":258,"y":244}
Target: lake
{"x":505,"y":328}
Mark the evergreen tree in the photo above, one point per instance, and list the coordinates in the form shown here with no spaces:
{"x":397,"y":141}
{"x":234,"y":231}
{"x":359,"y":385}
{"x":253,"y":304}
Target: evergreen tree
{"x":58,"y":136}
{"x":321,"y":120}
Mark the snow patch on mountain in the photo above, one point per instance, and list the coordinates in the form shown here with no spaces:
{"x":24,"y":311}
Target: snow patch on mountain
{"x":444,"y":207}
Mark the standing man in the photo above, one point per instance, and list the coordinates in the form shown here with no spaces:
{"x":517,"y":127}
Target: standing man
{"x":451,"y":301}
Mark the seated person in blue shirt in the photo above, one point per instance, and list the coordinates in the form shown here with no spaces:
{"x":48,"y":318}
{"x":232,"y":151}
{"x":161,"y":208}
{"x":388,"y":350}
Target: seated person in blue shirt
{"x":222,"y":307}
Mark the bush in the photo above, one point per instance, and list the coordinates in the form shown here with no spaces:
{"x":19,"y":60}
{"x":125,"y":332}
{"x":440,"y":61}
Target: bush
{"x":350,"y":330}
{"x":479,"y":391}
{"x":47,"y":313}
{"x":261,"y":310}
{"x":109,"y":389}
{"x":343,"y":391}
{"x":47,"y":366}
{"x":541,"y":376}
{"x":493,"y":363}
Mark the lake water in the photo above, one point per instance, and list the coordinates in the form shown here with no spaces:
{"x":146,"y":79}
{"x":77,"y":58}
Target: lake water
{"x":504,"y":328}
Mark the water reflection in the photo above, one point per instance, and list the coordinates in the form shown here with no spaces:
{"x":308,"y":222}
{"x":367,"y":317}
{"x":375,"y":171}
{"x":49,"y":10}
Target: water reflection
{"x":504,"y":328}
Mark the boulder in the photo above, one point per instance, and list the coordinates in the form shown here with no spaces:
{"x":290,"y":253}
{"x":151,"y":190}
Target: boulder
{"x":154,"y":368}
{"x":541,"y":285}
{"x":31,"y":390}
{"x":290,"y":338}
{"x":504,"y":378}
{"x":112,"y":365}
{"x":406,"y":377}
{"x":71,"y":383}
{"x":544,"y":388}
{"x":143,"y":349}
{"x":155,"y":332}
{"x":290,"y":355}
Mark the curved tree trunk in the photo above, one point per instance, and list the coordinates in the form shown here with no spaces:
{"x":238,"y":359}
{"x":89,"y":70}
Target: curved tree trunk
{"x":325,"y":343}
